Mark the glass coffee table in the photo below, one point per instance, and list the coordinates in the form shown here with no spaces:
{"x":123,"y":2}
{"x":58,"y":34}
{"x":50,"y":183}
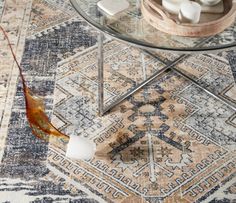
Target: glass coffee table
{"x":130,"y":27}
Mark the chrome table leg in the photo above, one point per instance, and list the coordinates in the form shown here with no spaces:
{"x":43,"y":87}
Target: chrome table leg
{"x":231,"y":55}
{"x":139,"y":86}
{"x":222,"y":99}
{"x":195,"y":82}
{"x":171,"y":66}
{"x":100,"y":75}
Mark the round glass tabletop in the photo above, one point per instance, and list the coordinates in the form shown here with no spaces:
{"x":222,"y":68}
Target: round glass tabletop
{"x":131,"y":27}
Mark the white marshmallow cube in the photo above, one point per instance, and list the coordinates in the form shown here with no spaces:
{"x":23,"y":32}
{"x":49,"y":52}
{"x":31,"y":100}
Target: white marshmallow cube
{"x":80,"y":148}
{"x":190,"y":12}
{"x":172,"y":6}
{"x":113,"y":7}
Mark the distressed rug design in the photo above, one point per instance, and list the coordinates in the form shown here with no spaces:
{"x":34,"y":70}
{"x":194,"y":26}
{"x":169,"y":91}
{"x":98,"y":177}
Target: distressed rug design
{"x":170,"y":142}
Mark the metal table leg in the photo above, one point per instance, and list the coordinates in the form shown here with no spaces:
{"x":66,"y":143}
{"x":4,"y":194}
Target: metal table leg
{"x":222,"y":99}
{"x":171,"y":66}
{"x":101,"y":108}
{"x":100,"y":75}
{"x":231,"y":55}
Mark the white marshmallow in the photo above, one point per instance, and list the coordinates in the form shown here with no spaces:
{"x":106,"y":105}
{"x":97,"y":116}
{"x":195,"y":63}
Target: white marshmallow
{"x":80,"y":148}
{"x":112,"y":7}
{"x":190,"y":12}
{"x":172,"y":6}
{"x":210,"y":2}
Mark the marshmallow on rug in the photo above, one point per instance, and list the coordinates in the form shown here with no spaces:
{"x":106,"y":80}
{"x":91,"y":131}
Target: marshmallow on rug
{"x":80,"y":148}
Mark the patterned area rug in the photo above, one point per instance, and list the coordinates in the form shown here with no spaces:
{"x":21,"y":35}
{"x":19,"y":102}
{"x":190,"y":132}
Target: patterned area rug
{"x":170,"y":142}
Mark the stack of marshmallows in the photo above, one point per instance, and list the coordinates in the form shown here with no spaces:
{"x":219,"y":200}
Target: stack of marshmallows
{"x":190,"y":11}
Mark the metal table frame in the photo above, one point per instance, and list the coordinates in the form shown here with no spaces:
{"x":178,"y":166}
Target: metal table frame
{"x":102,"y":109}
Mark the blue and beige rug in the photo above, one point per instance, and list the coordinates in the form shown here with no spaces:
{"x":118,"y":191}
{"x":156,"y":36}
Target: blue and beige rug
{"x":170,"y":142}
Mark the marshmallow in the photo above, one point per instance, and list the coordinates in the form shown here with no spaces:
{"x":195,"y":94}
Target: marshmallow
{"x":113,"y":7}
{"x":80,"y":148}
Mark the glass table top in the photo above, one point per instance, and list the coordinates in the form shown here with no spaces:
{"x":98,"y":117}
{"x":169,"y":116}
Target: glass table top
{"x":130,"y":26}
